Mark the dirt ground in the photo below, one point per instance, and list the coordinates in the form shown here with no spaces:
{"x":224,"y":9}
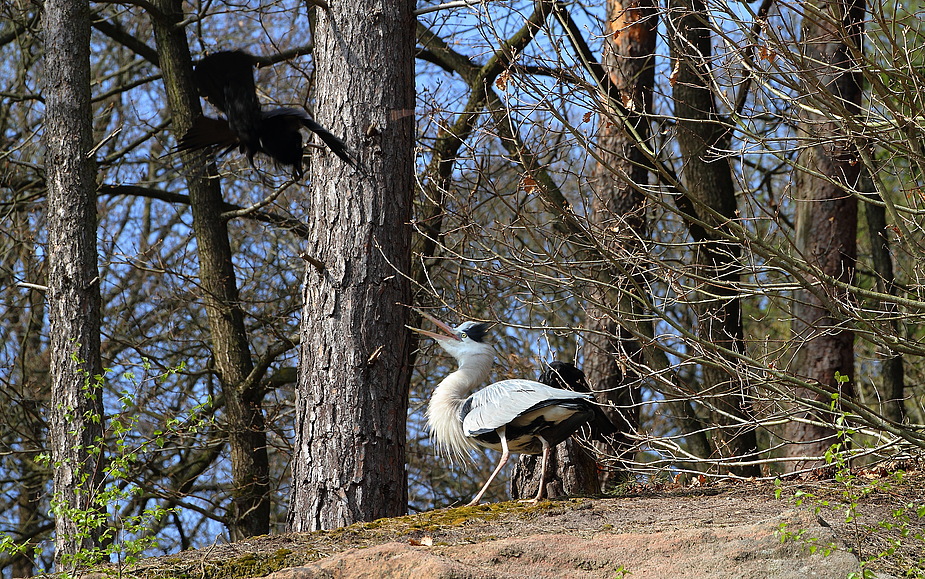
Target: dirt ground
{"x":876,"y":514}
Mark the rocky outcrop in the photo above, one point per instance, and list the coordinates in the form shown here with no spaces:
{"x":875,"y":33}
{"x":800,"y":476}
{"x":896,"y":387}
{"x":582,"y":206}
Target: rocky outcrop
{"x":732,"y":530}
{"x":721,"y":551}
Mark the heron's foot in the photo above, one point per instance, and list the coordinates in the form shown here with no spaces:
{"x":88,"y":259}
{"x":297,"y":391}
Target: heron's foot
{"x":532,"y":501}
{"x":473,"y":502}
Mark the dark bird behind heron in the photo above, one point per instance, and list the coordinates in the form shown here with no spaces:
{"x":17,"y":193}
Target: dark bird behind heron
{"x":567,"y":376}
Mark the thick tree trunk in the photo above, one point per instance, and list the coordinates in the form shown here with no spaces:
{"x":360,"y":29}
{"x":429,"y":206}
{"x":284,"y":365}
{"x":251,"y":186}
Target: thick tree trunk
{"x":250,"y":510}
{"x":76,"y":405}
{"x":351,"y":399}
{"x":618,"y":212}
{"x":826,"y":228}
{"x":710,"y":188}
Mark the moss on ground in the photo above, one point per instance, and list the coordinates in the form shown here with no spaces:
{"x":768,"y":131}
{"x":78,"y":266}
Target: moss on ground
{"x":241,"y":567}
{"x":244,"y":561}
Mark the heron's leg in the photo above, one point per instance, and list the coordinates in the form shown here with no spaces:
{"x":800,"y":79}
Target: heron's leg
{"x":505,"y":454}
{"x":545,"y":463}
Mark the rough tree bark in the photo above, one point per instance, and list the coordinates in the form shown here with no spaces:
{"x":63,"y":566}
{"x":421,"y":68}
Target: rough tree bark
{"x":250,"y":509}
{"x":73,"y":298}
{"x":351,"y":397}
{"x":826,"y":228}
{"x":710,"y":196}
{"x":572,"y":470}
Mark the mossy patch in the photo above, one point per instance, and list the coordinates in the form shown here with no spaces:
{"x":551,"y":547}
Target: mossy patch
{"x":244,"y":566}
{"x":254,"y":565}
{"x":264,"y":555}
{"x":433,"y":521}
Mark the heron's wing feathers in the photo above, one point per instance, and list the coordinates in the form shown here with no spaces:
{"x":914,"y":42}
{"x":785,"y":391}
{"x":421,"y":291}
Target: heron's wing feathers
{"x":502,"y":402}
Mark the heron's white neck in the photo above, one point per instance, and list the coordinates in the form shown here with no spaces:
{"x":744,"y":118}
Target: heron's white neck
{"x":443,"y":411}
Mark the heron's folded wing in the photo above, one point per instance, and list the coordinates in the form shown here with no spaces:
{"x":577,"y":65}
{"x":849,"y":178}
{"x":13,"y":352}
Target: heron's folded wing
{"x":501,"y":403}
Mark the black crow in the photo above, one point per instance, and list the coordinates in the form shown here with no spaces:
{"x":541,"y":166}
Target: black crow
{"x":226,"y":79}
{"x":567,"y":376}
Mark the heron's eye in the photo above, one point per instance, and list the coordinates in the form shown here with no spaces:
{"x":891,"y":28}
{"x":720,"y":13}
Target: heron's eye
{"x":462,"y":335}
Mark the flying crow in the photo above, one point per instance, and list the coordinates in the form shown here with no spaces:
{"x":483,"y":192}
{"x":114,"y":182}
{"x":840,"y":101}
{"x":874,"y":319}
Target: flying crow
{"x":226,"y":79}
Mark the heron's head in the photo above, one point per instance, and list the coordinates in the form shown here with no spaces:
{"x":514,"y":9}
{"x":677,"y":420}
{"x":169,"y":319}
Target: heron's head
{"x":462,"y":342}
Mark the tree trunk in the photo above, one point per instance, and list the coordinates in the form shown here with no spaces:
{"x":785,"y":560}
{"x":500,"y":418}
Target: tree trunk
{"x":250,"y":510}
{"x":29,"y":396}
{"x":572,"y":471}
{"x":826,"y":228}
{"x":709,"y":188}
{"x":892,"y":373}
{"x":618,"y":206}
{"x":32,"y":475}
{"x":76,"y":406}
{"x":351,"y":399}
{"x":612,"y":353}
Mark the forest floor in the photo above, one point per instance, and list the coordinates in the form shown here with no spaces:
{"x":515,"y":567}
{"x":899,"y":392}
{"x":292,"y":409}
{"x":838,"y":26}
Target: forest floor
{"x":872,"y":516}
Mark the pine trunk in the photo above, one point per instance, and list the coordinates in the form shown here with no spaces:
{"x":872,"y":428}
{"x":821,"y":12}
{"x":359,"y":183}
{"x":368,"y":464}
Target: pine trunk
{"x":352,"y":392}
{"x":249,"y":514}
{"x":827,"y":211}
{"x":76,"y":406}
{"x":612,"y":352}
{"x":710,"y":197}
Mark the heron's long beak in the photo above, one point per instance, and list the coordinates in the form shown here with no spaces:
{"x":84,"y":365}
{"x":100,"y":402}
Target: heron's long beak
{"x":450,"y":332}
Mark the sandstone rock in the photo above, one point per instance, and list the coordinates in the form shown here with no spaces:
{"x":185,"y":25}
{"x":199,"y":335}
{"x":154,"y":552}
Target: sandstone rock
{"x":724,"y":551}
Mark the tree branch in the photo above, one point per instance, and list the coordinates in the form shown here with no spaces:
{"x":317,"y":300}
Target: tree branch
{"x":294,"y":225}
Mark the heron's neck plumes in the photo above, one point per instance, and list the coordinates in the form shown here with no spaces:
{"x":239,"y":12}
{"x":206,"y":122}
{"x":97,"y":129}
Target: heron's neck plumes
{"x":443,"y":412}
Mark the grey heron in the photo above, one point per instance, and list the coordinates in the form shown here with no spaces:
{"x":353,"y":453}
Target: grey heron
{"x":513,"y":416}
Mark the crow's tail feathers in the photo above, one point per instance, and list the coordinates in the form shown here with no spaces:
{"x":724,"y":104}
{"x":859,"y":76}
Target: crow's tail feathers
{"x":337,"y":145}
{"x":208,"y":132}
{"x":601,"y":424}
